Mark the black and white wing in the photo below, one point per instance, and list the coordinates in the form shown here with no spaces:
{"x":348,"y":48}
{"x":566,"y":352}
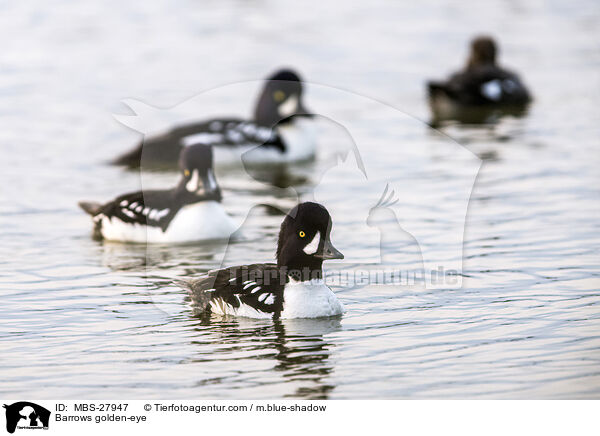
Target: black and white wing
{"x":230,"y":132}
{"x":259,"y":286}
{"x":150,"y":208}
{"x":165,"y":148}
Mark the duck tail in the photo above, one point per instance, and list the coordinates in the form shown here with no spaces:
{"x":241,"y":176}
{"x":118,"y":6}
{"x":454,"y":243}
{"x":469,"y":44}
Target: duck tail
{"x":184,"y":284}
{"x":90,"y":207}
{"x":437,"y":88}
{"x":200,"y":296}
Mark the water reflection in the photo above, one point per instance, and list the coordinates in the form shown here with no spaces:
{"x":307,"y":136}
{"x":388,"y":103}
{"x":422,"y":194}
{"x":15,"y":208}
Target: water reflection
{"x":277,"y":175}
{"x":486,"y":137}
{"x":299,"y":349}
{"x":476,"y":115}
{"x":140,"y":257}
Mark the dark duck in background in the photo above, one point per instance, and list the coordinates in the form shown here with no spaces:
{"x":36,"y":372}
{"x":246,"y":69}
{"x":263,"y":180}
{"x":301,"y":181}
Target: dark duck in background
{"x":480,"y":91}
{"x":291,"y":288}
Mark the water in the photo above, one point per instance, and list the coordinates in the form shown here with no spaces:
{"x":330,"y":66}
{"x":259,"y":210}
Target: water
{"x":83,"y":319}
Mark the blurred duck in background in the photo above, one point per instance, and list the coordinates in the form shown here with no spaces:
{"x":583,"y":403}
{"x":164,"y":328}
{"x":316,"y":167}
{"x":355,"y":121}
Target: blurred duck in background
{"x":189,"y":212}
{"x":281,"y":131}
{"x":481,"y":91}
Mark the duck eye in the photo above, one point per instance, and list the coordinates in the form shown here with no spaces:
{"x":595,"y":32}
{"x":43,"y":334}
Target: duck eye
{"x":279,"y":96}
{"x":301,"y":234}
{"x":186,"y":172}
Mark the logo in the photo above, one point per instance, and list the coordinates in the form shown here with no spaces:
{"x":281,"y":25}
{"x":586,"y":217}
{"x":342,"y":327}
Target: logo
{"x":26,"y":415}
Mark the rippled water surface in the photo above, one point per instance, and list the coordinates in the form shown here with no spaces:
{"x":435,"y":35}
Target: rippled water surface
{"x":84,"y":319}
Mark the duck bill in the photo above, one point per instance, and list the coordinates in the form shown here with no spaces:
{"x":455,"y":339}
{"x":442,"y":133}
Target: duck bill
{"x":209,"y":183}
{"x":329,"y":252}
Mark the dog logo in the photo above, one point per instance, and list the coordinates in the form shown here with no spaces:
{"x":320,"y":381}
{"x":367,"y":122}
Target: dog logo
{"x":26,"y":415}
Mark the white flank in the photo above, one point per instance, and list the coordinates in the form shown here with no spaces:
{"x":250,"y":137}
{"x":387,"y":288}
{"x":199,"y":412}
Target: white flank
{"x":312,"y":299}
{"x":196,"y":222}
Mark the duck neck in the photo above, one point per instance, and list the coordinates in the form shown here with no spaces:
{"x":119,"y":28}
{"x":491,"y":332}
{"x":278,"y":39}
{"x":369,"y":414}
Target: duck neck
{"x":478,"y":61}
{"x":182,"y":195}
{"x":303,"y":270}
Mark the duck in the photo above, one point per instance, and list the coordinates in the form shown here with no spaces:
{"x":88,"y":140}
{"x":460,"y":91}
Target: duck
{"x":293,"y":287}
{"x":481,"y":84}
{"x":191,"y":211}
{"x":281,"y":131}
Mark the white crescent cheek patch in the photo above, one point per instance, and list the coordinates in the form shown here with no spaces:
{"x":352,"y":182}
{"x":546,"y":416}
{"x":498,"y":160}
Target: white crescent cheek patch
{"x":192,"y":185}
{"x":313,"y":245}
{"x":288,"y":107}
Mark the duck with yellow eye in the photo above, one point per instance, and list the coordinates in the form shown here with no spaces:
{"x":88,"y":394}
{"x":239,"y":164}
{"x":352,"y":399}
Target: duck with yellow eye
{"x":291,"y":288}
{"x":191,"y":211}
{"x":281,"y":130}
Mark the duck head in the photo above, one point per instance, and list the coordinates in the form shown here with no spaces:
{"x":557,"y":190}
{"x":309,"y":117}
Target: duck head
{"x":198,"y":177}
{"x":281,"y":98}
{"x":304,"y":241}
{"x":483,"y":52}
